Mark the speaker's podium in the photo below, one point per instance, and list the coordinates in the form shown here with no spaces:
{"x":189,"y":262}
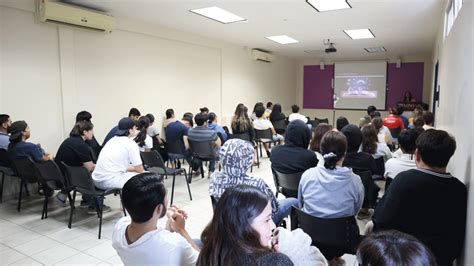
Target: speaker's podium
{"x":411,"y":105}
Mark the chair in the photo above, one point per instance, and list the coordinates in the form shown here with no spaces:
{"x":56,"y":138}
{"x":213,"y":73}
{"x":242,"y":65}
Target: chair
{"x":370,"y":188}
{"x":23,"y":168}
{"x":155,"y":164}
{"x":379,"y":169}
{"x":313,"y":124}
{"x":333,"y":236}
{"x":264,"y":136}
{"x":204,"y":151}
{"x":176,"y":150}
{"x":50,"y":176}
{"x":287,"y":184}
{"x":80,"y":179}
{"x":319,"y":121}
{"x":280,"y":126}
{"x":6,"y":165}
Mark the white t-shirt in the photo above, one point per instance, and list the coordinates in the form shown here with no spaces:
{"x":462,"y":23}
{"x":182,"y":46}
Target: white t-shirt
{"x":157,"y":247}
{"x":262,"y":124}
{"x":384,"y":135}
{"x":382,"y":151}
{"x":395,"y":166}
{"x":114,"y":159}
{"x":148,"y":144}
{"x":295,"y":116}
{"x":152,"y":131}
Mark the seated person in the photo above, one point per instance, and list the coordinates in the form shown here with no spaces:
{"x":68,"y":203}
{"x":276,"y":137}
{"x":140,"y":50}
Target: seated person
{"x":294,"y":156}
{"x":276,"y":116}
{"x":170,"y":118}
{"x":119,"y":159}
{"x":137,"y":238}
{"x":341,"y":122}
{"x":133,"y":114}
{"x":19,"y":147}
{"x":241,"y":123}
{"x":241,"y":230}
{"x":371,"y":145}
{"x":384,"y":248}
{"x":315,"y":145}
{"x":393,"y":121}
{"x":236,"y":159}
{"x":268,"y":111}
{"x":93,"y":143}
{"x":413,"y":202}
{"x":295,"y":115}
{"x":5,"y":123}
{"x":202,"y":133}
{"x":213,"y":125}
{"x":428,"y":119}
{"x":383,"y":133}
{"x":178,"y":131}
{"x":144,"y":141}
{"x":263,"y":124}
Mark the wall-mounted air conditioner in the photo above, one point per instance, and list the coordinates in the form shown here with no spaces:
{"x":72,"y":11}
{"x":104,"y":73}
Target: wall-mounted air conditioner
{"x":262,"y":55}
{"x":75,"y":16}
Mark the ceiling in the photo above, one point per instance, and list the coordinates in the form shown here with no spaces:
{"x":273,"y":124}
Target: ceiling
{"x":403,"y":27}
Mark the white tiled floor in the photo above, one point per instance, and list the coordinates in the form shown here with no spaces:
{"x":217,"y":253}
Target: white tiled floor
{"x":25,"y":239}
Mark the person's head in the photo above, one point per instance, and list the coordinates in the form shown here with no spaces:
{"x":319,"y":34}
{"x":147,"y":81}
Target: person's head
{"x":269,"y":105}
{"x":377,"y":122}
{"x":295,"y":108}
{"x":390,"y":247}
{"x":187,"y":121}
{"x":407,"y":96}
{"x":241,"y":118}
{"x":393,"y":110}
{"x":276,"y":109}
{"x":169,"y":113}
{"x":236,"y":157}
{"x":407,"y":140}
{"x":418,"y":111}
{"x":354,"y":137}
{"x":258,"y":105}
{"x":369,"y":139}
{"x":364,"y":120}
{"x":333,"y":148}
{"x":212,"y":118}
{"x":143,"y":123}
{"x":376,"y":114}
{"x":399,"y":110}
{"x":127,"y":127}
{"x":341,"y":122}
{"x":144,"y":197}
{"x":319,"y":132}
{"x":428,"y":117}
{"x":371,"y":109}
{"x":297,"y":134}
{"x":84,"y":129}
{"x":5,"y":122}
{"x":134,"y":113}
{"x":239,"y":108}
{"x":259,"y":111}
{"x":435,"y":147}
{"x":201,"y":119}
{"x":418,"y":122}
{"x":204,"y":110}
{"x":151,"y":118}
{"x":83,"y":116}
{"x":242,"y":224}
{"x":19,"y":131}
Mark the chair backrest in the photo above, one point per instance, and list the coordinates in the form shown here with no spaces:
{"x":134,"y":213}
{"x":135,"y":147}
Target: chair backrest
{"x":242,"y":136}
{"x":265,"y":134}
{"x":288,"y":182}
{"x":279,"y":124}
{"x":339,"y":233}
{"x":49,"y":171}
{"x":152,"y":159}
{"x":319,"y":121}
{"x":25,"y":169}
{"x":379,"y":166}
{"x":395,"y":132}
{"x":79,"y":178}
{"x":203,"y":150}
{"x":175,"y":147}
{"x":5,"y":159}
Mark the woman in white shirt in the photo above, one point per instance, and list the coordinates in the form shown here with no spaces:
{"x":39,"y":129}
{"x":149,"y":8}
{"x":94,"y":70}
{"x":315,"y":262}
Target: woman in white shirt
{"x":144,"y":141}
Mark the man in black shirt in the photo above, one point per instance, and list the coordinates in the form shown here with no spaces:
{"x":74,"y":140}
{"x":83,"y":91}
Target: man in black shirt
{"x":415,"y":198}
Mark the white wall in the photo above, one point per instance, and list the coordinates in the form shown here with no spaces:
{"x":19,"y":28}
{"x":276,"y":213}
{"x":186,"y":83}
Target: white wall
{"x":455,"y":111}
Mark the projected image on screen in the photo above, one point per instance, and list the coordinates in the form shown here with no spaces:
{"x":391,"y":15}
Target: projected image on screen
{"x":360,"y":84}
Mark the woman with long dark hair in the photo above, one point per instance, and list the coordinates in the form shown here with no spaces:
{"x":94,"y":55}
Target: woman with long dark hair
{"x":144,"y":141}
{"x":372,"y":146}
{"x":277,"y":115}
{"x":315,"y":144}
{"x":241,"y":230}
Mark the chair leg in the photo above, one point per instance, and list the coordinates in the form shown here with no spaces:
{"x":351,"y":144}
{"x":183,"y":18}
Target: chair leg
{"x":71,"y":203}
{"x":187,"y":184}
{"x":72,"y":208}
{"x":202,"y":170}
{"x":190,"y":172}
{"x":19,"y":195}
{"x":172,"y":190}
{"x":26,"y":189}
{"x":258,"y":160}
{"x":45,"y":207}
{"x":99,"y":204}
{"x":260,"y":145}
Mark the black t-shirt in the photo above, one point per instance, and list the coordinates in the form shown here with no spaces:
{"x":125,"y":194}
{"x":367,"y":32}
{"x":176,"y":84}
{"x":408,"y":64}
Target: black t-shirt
{"x":73,"y":151}
{"x":290,"y":159}
{"x":428,"y":205}
{"x":360,"y":161}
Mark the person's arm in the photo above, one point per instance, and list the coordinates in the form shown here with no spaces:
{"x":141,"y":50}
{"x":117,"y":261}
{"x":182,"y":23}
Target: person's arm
{"x":90,"y":166}
{"x":136,"y":168}
{"x":177,"y":224}
{"x":46,"y":157}
{"x":186,"y":142}
{"x":218,"y":141}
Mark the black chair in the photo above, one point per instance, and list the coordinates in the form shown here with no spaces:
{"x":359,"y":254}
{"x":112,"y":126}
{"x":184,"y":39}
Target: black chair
{"x":80,"y":179}
{"x":379,"y":169}
{"x":178,"y":149}
{"x":155,"y":164}
{"x":50,"y":176}
{"x":264,"y":137}
{"x":280,"y":126}
{"x":319,"y":121}
{"x":332,"y":236}
{"x":287,"y":184}
{"x":24,"y":169}
{"x":6,"y":169}
{"x":370,"y":188}
{"x":313,"y":124}
{"x":203,"y":151}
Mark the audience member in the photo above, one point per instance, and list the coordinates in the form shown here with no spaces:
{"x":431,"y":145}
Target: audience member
{"x":241,"y":124}
{"x":391,"y":247}
{"x":419,"y":122}
{"x":428,"y":118}
{"x":188,"y":119}
{"x":119,"y":159}
{"x":415,"y":198}
{"x":253,"y":116}
{"x":178,"y":131}
{"x":341,"y":122}
{"x":133,"y":114}
{"x":371,"y":145}
{"x":201,"y":133}
{"x":296,"y":115}
{"x":315,"y":144}
{"x":236,"y":159}
{"x":364,"y":121}
{"x":393,"y":121}
{"x":153,"y":131}
{"x":213,"y":125}
{"x":241,"y":230}
{"x":137,"y":238}
{"x":260,"y":123}
{"x":294,"y":156}
{"x":417,"y":112}
{"x":169,"y":118}
{"x":331,"y":191}
{"x":93,"y":143}
{"x":19,"y":147}
{"x":370,"y":111}
{"x":399,"y":110}
{"x":204,"y":110}
{"x":144,"y":141}
{"x":277,"y":115}
{"x":383,"y":133}
{"x":5,"y":123}
{"x":268,"y":111}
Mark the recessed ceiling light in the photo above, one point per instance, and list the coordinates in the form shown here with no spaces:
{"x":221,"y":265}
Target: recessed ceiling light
{"x":328,"y":5}
{"x":359,"y":34}
{"x":282,"y":39}
{"x":380,"y":49}
{"x":218,"y":14}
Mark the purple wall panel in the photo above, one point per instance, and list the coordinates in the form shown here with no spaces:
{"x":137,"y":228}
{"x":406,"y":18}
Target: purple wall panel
{"x":408,"y":77}
{"x":317,"y":90}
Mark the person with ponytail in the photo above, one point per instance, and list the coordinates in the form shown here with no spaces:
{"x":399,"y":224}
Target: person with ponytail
{"x":144,"y":141}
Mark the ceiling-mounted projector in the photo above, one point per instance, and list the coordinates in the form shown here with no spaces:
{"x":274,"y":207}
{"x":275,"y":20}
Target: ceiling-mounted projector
{"x":331,"y":48}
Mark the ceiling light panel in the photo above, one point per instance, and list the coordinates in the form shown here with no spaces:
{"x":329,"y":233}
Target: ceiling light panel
{"x":359,"y":34}
{"x":218,"y":14}
{"x":282,"y":39}
{"x":328,"y":5}
{"x":380,"y":49}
